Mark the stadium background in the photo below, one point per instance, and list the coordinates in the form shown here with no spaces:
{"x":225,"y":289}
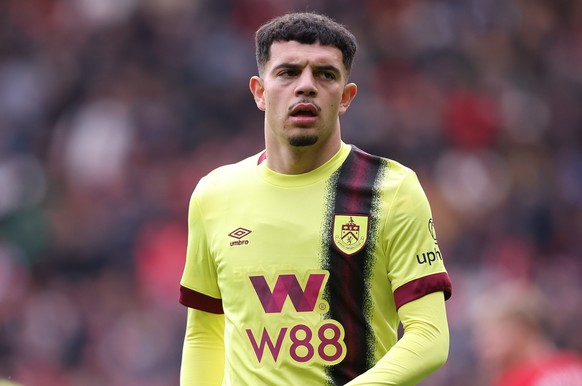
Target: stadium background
{"x":111,"y":110}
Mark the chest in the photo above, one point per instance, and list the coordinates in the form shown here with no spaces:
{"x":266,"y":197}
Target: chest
{"x":273,"y":230}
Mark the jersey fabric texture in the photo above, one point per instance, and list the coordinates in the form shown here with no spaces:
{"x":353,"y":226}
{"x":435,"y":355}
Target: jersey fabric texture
{"x":310,"y":270}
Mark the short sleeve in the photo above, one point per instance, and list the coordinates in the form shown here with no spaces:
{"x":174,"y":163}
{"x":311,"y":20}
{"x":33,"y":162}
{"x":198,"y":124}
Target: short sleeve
{"x":415,"y":263}
{"x":199,"y":284}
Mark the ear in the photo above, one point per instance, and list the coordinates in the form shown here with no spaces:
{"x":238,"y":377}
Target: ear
{"x":258,"y":90}
{"x":350,"y":91}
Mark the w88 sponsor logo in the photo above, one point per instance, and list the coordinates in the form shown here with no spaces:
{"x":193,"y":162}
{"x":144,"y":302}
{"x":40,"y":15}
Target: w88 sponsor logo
{"x":303,"y":343}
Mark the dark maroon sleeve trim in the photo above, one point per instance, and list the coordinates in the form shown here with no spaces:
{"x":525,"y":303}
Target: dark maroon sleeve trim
{"x":193,"y":299}
{"x":423,"y":286}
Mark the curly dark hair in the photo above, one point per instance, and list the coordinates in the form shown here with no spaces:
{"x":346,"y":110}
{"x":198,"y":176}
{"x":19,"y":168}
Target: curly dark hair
{"x":305,"y":28}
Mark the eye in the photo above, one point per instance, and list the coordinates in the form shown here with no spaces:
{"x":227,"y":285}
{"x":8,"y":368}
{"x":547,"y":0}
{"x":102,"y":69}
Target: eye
{"x":327,"y":75}
{"x":289,"y":73}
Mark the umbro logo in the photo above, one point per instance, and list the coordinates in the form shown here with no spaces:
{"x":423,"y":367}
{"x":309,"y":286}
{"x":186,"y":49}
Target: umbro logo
{"x":238,"y":234}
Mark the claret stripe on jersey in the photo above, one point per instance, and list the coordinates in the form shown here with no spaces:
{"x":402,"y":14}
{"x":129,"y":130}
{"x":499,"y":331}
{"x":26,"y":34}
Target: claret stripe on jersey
{"x":348,"y":294}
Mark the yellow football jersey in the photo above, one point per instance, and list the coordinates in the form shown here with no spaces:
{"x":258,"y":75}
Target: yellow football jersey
{"x":309,"y":270}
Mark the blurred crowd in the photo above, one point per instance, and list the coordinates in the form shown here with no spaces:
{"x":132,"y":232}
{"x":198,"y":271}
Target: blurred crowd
{"x":111,"y":110}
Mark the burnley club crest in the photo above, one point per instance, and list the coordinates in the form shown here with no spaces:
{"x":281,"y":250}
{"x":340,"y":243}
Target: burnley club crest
{"x":350,"y":232}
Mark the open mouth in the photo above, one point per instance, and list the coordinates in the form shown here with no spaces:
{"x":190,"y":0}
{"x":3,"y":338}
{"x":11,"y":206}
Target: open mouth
{"x":304,"y":110}
{"x":303,"y":113}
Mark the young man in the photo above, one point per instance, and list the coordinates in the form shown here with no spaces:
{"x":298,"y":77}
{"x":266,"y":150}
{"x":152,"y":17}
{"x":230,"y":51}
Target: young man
{"x":303,"y":260}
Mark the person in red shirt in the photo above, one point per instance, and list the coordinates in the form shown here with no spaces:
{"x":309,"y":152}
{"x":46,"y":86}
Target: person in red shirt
{"x":512,"y":345}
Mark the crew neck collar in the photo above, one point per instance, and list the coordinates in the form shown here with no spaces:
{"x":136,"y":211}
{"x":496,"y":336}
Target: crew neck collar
{"x":295,"y":180}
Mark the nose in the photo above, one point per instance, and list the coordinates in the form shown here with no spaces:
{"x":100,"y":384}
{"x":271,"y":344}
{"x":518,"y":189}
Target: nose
{"x":306,"y":85}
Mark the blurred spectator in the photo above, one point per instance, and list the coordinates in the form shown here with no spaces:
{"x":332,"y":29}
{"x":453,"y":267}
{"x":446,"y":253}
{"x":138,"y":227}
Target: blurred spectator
{"x":512,"y":344}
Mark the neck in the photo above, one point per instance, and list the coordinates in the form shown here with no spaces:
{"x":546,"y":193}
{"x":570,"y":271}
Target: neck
{"x":286,"y":159}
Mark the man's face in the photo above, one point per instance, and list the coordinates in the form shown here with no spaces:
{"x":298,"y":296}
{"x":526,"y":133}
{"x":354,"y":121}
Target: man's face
{"x":303,"y":92}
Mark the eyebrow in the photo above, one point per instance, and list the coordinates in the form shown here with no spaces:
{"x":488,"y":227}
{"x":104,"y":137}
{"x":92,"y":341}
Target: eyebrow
{"x":325,"y":67}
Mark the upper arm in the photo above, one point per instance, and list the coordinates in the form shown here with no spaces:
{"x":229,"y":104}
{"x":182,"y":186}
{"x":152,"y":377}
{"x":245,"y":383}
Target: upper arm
{"x":200,"y":273}
{"x":415,"y":264}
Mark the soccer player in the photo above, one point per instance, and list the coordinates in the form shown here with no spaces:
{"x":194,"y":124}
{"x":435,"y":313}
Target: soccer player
{"x":303,"y":260}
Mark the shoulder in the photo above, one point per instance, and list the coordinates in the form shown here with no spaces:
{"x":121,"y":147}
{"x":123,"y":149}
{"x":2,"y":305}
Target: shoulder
{"x":398,"y":189}
{"x":397,"y":169}
{"x":391,"y":173}
{"x":226,"y":173}
{"x":227,"y":177}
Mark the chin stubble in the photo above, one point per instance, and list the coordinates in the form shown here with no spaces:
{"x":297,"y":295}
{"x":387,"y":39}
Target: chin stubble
{"x":303,"y":140}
